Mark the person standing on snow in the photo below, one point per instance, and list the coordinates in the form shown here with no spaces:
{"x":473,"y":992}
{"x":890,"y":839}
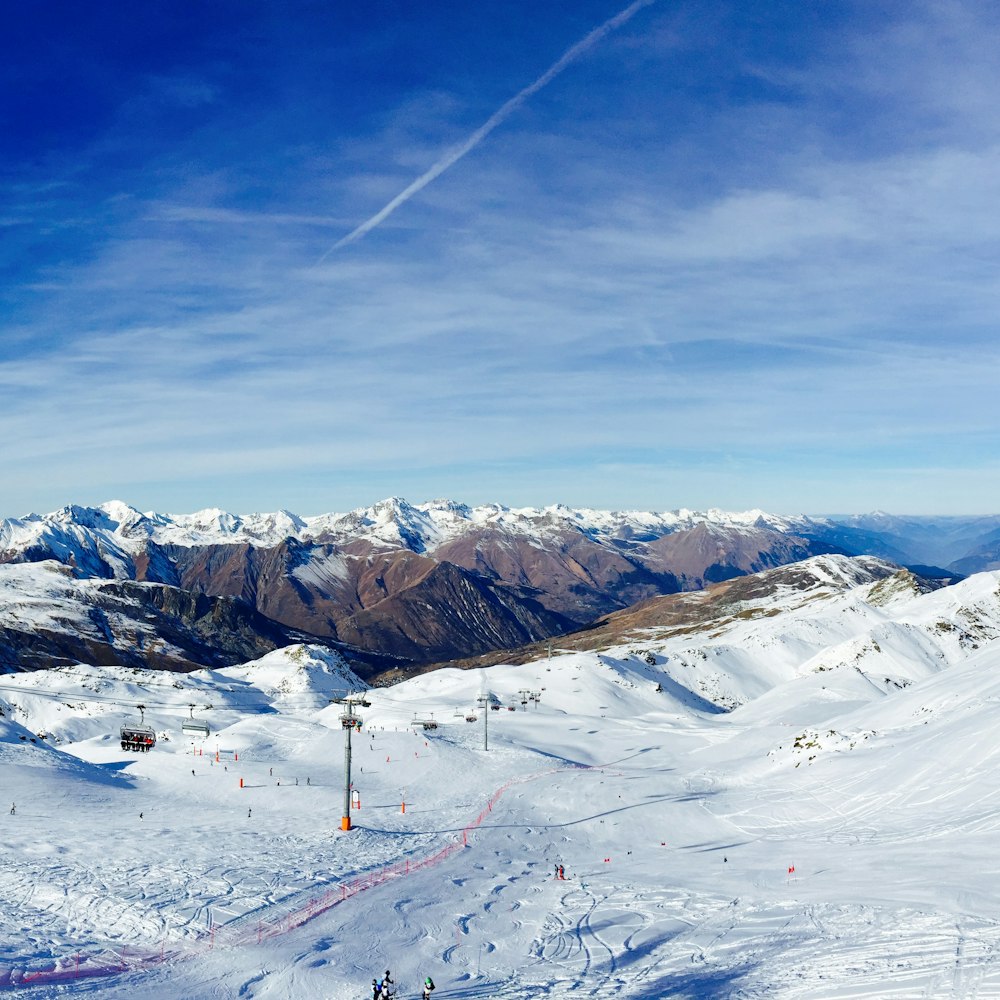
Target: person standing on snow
{"x":386,"y":983}
{"x":428,"y":989}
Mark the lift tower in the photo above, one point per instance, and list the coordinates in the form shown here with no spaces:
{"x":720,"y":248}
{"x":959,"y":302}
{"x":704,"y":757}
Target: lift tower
{"x":349,"y":720}
{"x":484,"y":700}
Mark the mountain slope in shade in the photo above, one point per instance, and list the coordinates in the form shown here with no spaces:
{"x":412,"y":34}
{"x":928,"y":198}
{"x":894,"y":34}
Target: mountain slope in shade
{"x":48,"y":617}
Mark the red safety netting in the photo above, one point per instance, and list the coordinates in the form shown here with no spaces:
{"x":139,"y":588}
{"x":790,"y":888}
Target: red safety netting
{"x":246,"y":930}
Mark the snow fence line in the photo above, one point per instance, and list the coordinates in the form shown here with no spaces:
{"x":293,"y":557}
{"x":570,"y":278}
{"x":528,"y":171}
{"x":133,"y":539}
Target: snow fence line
{"x":242,"y":931}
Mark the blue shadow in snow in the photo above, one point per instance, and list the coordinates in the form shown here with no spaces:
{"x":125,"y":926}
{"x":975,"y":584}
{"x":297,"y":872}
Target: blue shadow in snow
{"x":701,"y":984}
{"x":115,"y":765}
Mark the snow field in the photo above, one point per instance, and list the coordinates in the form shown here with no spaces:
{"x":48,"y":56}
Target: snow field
{"x":832,"y":838}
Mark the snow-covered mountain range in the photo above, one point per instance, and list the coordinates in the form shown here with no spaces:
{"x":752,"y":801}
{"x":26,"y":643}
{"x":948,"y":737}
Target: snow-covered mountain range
{"x":422,"y":584}
{"x":109,"y":537}
{"x":392,"y":523}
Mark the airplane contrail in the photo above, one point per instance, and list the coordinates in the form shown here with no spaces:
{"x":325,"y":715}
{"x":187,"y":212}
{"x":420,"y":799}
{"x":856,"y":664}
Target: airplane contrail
{"x":497,"y":118}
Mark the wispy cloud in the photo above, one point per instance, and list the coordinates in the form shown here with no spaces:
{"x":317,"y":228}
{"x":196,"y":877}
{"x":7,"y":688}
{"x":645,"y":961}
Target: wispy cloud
{"x":497,"y":118}
{"x":651,"y":293}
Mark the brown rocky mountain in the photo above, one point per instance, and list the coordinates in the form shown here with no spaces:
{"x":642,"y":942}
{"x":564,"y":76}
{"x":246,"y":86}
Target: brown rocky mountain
{"x":485,"y":590}
{"x":423,"y":584}
{"x":468,"y":609}
{"x":59,"y":619}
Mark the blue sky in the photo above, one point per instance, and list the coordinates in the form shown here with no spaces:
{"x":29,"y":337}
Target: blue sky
{"x":733,"y":255}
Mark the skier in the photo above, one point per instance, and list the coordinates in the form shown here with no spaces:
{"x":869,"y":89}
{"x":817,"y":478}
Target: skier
{"x":376,"y":990}
{"x":428,"y":989}
{"x":386,"y":983}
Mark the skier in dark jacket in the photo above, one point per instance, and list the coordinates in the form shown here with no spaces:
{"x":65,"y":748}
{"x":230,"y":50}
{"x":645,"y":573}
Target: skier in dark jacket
{"x":428,"y":989}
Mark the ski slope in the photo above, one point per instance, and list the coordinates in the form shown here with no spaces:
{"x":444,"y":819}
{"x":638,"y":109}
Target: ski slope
{"x":831,"y":837}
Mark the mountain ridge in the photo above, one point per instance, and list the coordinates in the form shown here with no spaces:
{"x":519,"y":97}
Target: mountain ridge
{"x":436,"y":581}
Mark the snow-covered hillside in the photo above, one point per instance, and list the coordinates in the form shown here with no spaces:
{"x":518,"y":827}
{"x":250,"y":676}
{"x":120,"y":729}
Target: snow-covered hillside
{"x":831,"y":837}
{"x":886,"y":631}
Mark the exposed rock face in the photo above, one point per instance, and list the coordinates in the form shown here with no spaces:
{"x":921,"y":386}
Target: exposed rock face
{"x":484,"y":590}
{"x":709,"y":554}
{"x":140,"y":625}
{"x":572,"y":574}
{"x":470,"y":613}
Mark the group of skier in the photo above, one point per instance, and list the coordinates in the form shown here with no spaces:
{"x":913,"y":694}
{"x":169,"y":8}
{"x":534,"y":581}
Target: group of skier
{"x":382,"y":988}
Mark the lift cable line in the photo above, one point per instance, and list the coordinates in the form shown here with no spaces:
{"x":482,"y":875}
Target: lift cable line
{"x":497,"y":118}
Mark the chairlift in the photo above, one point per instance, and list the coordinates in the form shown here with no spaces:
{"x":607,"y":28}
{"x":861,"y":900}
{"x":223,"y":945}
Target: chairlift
{"x":490,"y":700}
{"x":471,"y":717}
{"x":350,"y":720}
{"x":194,"y":727}
{"x":425,"y":724}
{"x":138,"y":739}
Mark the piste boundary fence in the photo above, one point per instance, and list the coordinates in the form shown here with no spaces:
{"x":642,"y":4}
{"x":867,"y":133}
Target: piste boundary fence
{"x":243,"y":931}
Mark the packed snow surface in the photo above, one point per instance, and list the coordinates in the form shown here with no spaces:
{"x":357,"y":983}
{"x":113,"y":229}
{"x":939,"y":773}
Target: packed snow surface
{"x":834,"y":836}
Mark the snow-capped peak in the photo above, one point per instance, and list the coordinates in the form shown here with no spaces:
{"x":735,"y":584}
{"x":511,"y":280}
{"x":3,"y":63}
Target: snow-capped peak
{"x":391,"y":522}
